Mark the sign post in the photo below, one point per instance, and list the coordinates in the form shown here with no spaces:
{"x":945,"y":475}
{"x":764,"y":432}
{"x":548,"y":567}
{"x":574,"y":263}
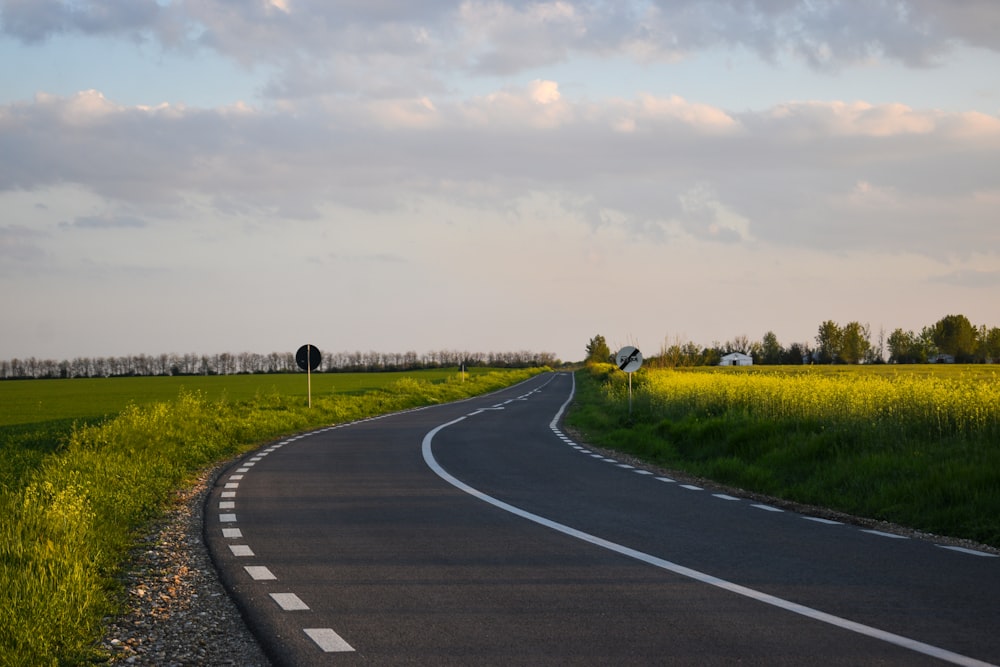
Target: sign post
{"x":308,"y":357}
{"x":629,"y":359}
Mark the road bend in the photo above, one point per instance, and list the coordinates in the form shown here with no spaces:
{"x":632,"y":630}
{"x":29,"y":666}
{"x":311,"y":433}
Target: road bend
{"x":479,"y":532}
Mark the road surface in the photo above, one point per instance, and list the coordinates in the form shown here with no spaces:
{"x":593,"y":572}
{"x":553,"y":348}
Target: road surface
{"x":479,"y":533}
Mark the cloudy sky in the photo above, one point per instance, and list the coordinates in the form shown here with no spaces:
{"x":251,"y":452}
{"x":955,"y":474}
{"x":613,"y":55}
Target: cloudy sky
{"x":250,"y":175}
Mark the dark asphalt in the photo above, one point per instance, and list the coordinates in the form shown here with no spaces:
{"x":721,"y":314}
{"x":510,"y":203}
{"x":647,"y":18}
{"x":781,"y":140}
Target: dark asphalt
{"x":405,"y":568}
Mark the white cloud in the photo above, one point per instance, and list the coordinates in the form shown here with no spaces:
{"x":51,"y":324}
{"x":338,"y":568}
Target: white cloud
{"x":810,"y":173}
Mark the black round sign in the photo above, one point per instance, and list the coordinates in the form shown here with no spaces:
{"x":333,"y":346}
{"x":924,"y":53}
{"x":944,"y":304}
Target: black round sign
{"x":308,"y":357}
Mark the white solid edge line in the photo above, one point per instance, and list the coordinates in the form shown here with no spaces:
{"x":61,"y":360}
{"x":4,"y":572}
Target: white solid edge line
{"x":808,"y":612}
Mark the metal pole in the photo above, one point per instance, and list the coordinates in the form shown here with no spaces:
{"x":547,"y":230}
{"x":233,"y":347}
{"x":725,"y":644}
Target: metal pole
{"x":309,"y":384}
{"x":630,"y":396}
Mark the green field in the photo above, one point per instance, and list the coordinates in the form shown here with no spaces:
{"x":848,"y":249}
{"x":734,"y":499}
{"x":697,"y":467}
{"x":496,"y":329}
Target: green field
{"x":39,"y":401}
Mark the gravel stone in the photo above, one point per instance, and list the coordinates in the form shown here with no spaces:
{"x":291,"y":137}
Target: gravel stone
{"x":177,"y":612}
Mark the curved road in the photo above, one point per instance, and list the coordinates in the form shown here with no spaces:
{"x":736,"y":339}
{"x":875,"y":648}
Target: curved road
{"x":478,"y":533}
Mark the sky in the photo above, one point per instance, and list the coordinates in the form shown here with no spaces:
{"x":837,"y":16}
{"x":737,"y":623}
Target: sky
{"x":214,"y":176}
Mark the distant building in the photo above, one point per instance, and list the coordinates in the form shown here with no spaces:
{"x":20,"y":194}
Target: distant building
{"x":736,"y":359}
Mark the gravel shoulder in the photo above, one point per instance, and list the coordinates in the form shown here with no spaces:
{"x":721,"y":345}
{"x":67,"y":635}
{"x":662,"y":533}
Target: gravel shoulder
{"x":177,"y":611}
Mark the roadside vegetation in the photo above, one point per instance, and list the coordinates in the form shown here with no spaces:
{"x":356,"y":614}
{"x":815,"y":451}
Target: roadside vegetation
{"x":76,"y":493}
{"x":914,"y":445}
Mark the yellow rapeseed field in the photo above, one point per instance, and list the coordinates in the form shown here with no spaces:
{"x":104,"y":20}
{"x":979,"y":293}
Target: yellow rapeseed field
{"x":900,"y":404}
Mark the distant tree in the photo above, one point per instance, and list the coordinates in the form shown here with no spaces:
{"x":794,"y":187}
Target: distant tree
{"x":828,"y":340}
{"x":877,"y":353}
{"x":795,"y":354}
{"x":855,"y":343}
{"x":771,"y":351}
{"x":739,"y":344}
{"x":989,"y":345}
{"x":955,"y":335}
{"x":598,"y":351}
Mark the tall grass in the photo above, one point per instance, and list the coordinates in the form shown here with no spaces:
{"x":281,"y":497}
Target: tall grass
{"x":68,"y":523}
{"x":922,"y":450}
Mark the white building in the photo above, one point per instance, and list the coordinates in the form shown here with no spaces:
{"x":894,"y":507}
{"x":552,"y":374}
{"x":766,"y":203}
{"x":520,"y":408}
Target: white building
{"x":736,"y":359}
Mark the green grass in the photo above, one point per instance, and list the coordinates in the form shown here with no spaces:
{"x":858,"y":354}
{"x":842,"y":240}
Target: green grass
{"x":38,"y":415}
{"x":71,"y":512}
{"x":33,"y":401}
{"x":916,"y":447}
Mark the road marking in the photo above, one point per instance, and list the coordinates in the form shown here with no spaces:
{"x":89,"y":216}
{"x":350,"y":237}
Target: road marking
{"x":259,"y":573}
{"x":972,"y":552}
{"x":723,"y":496}
{"x":766,"y":598}
{"x":232,"y":485}
{"x":289,"y":602}
{"x":228,"y":494}
{"x":227,"y":518}
{"x":626,"y":466}
{"x":767,"y":508}
{"x":227,"y":505}
{"x":691,"y":487}
{"x":643,"y":472}
{"x":328,"y":640}
{"x":829,"y":522}
{"x":240,"y":550}
{"x":881,"y":534}
{"x":667,"y":479}
{"x":232,"y":532}
{"x":243,"y":469}
{"x":235,"y":478}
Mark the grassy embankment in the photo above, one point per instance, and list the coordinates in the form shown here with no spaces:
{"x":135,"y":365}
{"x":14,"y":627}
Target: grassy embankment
{"x":918,"y":446}
{"x":85,"y":471}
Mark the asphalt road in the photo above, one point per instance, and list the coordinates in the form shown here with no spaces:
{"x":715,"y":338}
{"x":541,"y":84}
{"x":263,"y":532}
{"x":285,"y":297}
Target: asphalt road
{"x":478,"y":533}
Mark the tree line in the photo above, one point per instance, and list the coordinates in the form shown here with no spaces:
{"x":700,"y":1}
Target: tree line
{"x":952,"y":339}
{"x":253,"y":363}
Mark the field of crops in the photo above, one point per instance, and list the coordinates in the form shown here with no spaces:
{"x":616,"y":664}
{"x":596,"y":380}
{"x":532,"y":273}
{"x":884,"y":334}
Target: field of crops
{"x":915,"y":445}
{"x":35,"y":401}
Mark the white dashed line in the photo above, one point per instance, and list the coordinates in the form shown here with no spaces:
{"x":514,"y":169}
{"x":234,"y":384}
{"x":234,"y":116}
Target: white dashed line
{"x":328,"y":640}
{"x":626,"y":466}
{"x":666,"y":479}
{"x":228,"y":494}
{"x":240,"y":550}
{"x":227,"y":505}
{"x":971,"y":552}
{"x":232,"y":533}
{"x":235,"y":478}
{"x":643,"y":472}
{"x":232,"y":485}
{"x":767,"y":508}
{"x":882,"y":534}
{"x":691,"y":487}
{"x":829,"y":522}
{"x":259,"y":573}
{"x":227,"y":518}
{"x":723,"y":496}
{"x":289,"y":602}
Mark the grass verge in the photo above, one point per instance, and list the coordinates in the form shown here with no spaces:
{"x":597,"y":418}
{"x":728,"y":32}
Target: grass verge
{"x":74,"y":511}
